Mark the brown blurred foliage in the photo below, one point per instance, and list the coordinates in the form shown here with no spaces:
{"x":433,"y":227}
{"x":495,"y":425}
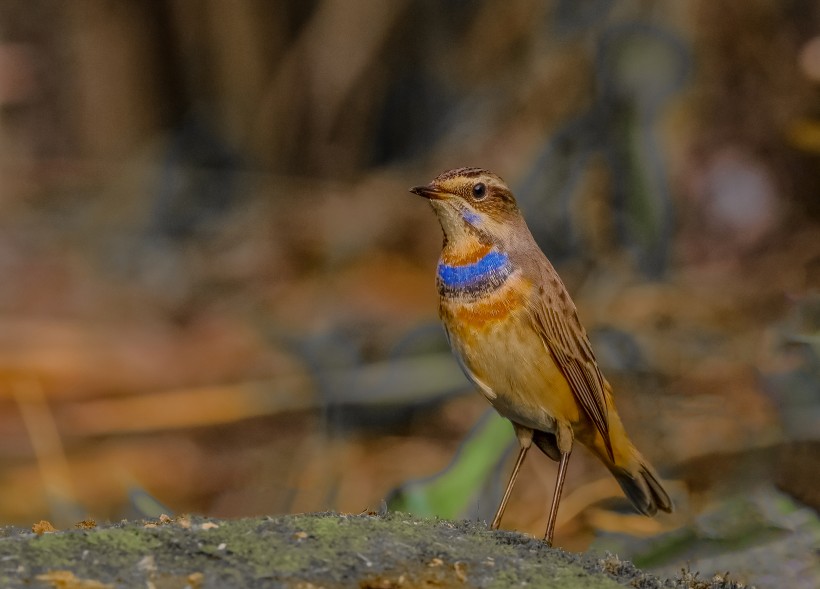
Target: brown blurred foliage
{"x":207,"y":247}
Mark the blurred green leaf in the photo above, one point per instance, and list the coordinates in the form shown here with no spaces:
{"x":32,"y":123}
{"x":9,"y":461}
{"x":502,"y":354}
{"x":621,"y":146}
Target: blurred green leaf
{"x":449,"y":493}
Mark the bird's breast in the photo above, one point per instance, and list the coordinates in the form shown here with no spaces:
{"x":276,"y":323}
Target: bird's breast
{"x":479,"y":286}
{"x":474,"y":274}
{"x":501,"y":351}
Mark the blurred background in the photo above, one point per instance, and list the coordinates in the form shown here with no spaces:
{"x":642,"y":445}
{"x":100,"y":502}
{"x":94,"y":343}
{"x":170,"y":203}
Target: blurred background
{"x":217,"y":295}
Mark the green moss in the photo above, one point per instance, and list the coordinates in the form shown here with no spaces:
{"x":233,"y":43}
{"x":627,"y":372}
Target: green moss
{"x":330,"y":550}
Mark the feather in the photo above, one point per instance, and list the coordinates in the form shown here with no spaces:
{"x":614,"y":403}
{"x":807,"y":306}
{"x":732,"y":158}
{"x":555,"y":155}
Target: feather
{"x":566,"y":340}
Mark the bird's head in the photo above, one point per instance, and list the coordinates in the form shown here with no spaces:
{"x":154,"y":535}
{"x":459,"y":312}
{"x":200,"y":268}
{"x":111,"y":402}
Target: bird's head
{"x":472,"y":203}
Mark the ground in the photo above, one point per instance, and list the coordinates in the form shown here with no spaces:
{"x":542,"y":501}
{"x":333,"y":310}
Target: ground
{"x":330,"y":550}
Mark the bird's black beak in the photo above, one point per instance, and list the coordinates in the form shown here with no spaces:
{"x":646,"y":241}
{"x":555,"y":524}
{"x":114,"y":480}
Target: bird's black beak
{"x":430,"y":191}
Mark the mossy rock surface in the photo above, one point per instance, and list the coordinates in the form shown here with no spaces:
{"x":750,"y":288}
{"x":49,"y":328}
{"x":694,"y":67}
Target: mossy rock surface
{"x":305,"y":551}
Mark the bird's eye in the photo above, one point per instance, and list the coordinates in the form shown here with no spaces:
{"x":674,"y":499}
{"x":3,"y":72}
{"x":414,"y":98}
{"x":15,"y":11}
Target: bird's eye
{"x":479,"y":190}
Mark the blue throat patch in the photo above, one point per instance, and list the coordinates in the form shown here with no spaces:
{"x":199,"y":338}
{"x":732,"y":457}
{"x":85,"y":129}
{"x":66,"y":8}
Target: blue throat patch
{"x":471,"y":217}
{"x":484,"y":274}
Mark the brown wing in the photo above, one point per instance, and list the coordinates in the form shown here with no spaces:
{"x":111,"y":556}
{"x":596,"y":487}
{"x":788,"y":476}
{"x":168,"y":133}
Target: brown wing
{"x":567,"y":341}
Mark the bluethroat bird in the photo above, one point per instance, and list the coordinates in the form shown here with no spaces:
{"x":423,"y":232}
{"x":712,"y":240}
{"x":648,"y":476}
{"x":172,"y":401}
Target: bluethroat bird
{"x":516,"y":334}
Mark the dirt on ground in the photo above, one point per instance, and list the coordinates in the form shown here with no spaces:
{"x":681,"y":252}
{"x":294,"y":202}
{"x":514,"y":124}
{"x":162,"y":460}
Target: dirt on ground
{"x":368,"y":551}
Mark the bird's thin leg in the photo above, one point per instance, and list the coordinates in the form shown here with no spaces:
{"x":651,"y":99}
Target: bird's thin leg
{"x":518,"y":462}
{"x":556,"y":497}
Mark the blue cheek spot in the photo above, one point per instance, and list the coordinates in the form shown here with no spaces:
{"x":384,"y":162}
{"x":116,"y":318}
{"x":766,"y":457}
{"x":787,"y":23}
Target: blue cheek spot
{"x":471,"y":217}
{"x":494,"y":265}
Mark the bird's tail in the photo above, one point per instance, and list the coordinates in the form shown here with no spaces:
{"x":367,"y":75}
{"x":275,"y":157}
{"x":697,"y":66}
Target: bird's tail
{"x":640,"y":482}
{"x":642,"y":485}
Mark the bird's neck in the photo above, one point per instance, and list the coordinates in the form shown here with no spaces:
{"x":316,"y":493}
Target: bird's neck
{"x":472,"y":269}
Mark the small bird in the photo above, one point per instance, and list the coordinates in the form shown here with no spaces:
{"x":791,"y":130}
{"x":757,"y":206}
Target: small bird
{"x":516,"y":334}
